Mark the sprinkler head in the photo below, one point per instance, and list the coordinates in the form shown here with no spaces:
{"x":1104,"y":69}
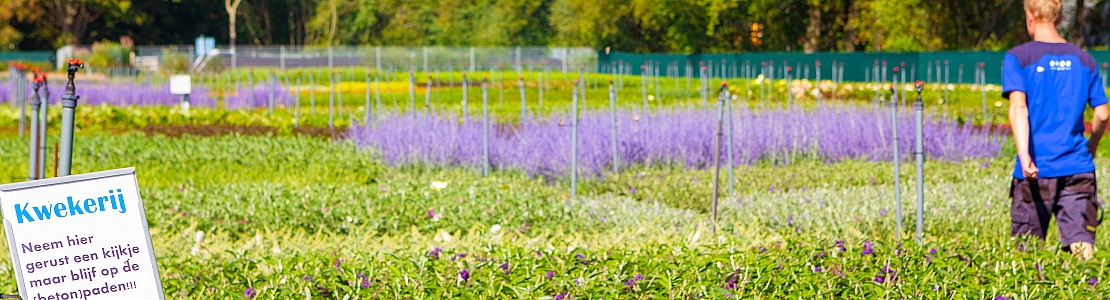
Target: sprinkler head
{"x":919,"y":85}
{"x":72,"y":66}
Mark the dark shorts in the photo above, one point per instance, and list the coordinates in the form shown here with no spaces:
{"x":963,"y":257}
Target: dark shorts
{"x":1073,"y":199}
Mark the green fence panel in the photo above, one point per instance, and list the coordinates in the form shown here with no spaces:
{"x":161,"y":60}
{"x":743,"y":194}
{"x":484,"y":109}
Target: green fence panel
{"x":34,"y":56}
{"x":858,"y":66}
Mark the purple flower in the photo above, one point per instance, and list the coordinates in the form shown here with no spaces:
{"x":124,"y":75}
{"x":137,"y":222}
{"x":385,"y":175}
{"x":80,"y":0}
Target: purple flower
{"x":840,"y":245}
{"x":1092,"y":282}
{"x":458,"y":256}
{"x":434,"y":254}
{"x":790,"y":221}
{"x":762,"y":250}
{"x":561,"y":296}
{"x":638,"y":277}
{"x":464,"y":274}
{"x":677,"y":136}
{"x":432,"y":213}
{"x":867,"y":250}
{"x":933,"y":251}
{"x":1000,"y":297}
{"x":307,"y":277}
{"x":550,"y":274}
{"x":632,"y":190}
{"x":505,"y":268}
{"x":879,"y":279}
{"x":338,"y":264}
{"x":250,"y":293}
{"x":578,"y":281}
{"x":365,"y":283}
{"x":821,"y":254}
{"x":732,"y":283}
{"x":630,"y":283}
{"x":818,"y":269}
{"x":580,"y":257}
{"x":882,"y":213}
{"x":1040,"y":268}
{"x":887,"y":269}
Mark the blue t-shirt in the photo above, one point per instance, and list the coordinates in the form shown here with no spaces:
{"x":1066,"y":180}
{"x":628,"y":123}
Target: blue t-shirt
{"x":1059,"y":80}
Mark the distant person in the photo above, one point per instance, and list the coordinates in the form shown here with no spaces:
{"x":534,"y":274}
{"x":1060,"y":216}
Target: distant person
{"x":1050,"y":83}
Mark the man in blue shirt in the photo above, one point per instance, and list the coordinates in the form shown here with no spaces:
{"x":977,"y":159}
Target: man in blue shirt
{"x":1050,"y":83}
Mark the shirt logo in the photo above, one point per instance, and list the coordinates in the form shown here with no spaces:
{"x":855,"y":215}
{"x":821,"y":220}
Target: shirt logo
{"x":1059,"y":65}
{"x":1040,"y":69}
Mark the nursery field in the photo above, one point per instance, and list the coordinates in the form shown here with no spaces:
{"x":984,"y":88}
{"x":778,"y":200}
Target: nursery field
{"x":245,"y":202}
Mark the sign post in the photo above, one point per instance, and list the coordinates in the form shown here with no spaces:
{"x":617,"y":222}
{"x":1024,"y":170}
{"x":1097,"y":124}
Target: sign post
{"x":182,"y":85}
{"x":80,"y":237}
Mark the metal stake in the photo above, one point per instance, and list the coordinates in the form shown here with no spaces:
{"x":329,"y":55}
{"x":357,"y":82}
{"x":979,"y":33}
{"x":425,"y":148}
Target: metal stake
{"x":919,"y":158}
{"x":69,"y":105}
{"x":613,"y":122}
{"x":717,"y":154}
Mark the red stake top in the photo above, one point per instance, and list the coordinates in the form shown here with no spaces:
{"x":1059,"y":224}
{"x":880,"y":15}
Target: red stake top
{"x":946,"y":61}
{"x":919,"y":83}
{"x":817,"y":62}
{"x":903,"y":64}
{"x":41,"y":78}
{"x":75,"y":61}
{"x":724,"y":84}
{"x":982,"y":64}
{"x":610,"y":81}
{"x":895,"y":69}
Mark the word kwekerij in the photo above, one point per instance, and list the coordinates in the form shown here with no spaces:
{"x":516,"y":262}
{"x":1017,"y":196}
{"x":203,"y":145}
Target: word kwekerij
{"x":71,"y":207}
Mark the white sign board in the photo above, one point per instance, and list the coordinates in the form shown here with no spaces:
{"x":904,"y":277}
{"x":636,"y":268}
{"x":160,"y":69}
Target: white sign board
{"x":180,"y":85}
{"x":80,"y":237}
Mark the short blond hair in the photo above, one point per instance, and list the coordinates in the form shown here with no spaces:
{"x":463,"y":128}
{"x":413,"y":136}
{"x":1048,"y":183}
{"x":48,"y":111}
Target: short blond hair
{"x":1045,"y":10}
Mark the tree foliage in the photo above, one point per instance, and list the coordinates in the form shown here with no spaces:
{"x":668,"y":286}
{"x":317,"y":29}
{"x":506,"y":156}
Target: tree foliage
{"x":626,"y":25}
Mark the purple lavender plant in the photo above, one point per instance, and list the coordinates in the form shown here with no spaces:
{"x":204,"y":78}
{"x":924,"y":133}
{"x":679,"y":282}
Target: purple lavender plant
{"x":121,"y":94}
{"x":679,"y":138}
{"x":258,"y":96}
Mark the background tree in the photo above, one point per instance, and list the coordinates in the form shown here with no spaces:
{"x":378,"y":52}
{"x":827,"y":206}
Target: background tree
{"x":623,"y":25}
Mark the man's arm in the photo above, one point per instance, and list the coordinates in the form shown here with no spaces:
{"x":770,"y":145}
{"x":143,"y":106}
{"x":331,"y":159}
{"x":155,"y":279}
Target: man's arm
{"x":1098,"y":127}
{"x":1019,"y":123}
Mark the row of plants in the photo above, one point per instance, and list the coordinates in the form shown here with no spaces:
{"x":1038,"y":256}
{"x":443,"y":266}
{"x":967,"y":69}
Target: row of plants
{"x":965,"y":102}
{"x":237,"y":217}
